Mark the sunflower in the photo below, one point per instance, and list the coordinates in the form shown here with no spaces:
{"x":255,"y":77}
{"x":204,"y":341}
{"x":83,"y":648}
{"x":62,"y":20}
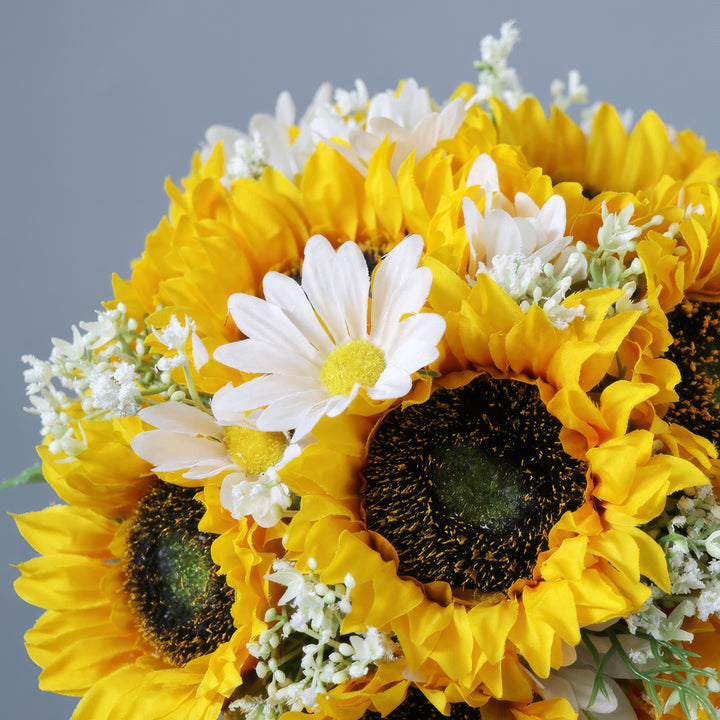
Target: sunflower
{"x":381,"y":500}
{"x":609,"y":157}
{"x":683,"y":276}
{"x":150,"y":600}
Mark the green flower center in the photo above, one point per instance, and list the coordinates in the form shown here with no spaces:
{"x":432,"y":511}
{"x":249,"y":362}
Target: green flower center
{"x":695,"y":327}
{"x":357,"y":361}
{"x":475,"y":486}
{"x":467,"y":485}
{"x":182,"y":605}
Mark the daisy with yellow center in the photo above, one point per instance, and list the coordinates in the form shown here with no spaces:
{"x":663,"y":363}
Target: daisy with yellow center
{"x":523,"y":247}
{"x":315,"y":342}
{"x":189,"y":441}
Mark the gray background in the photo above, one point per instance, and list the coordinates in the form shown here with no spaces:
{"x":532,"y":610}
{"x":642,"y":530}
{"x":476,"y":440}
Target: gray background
{"x":100,"y":101}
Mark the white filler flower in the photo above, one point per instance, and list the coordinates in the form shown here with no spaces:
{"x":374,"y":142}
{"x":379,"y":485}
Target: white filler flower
{"x":313,"y":343}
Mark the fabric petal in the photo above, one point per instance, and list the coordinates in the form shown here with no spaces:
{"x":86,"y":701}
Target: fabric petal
{"x":255,"y":356}
{"x":179,"y":417}
{"x":263,"y":321}
{"x":287,"y":294}
{"x":169,"y":451}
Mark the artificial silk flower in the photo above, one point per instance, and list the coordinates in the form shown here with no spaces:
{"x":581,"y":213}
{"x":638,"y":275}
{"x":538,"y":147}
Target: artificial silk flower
{"x":269,"y":141}
{"x":133,"y":639}
{"x":191,"y":441}
{"x":523,"y":247}
{"x":515,"y":227}
{"x":407,"y":119}
{"x":314,"y":341}
{"x":265,"y":498}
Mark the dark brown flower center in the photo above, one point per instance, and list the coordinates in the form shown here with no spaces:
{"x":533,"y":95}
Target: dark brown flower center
{"x":182,"y":605}
{"x":695,"y":327}
{"x":417,"y":707}
{"x":467,"y":485}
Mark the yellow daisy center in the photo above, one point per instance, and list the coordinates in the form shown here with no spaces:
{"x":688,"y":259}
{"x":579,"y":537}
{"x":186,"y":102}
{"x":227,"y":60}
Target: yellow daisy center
{"x":357,"y":361}
{"x":255,"y":451}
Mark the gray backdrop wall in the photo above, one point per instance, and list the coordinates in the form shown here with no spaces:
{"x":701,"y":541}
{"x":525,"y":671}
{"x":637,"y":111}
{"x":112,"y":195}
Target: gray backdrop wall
{"x":102,"y":100}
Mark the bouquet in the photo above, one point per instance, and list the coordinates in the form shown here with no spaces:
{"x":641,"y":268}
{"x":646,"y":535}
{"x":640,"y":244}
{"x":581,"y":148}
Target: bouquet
{"x":407,"y":410}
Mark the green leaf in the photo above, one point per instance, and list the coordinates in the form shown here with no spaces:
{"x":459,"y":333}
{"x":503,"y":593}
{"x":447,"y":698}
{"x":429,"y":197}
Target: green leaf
{"x":31,"y":475}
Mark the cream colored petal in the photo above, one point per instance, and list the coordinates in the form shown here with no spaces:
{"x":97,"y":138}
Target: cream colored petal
{"x":169,"y":451}
{"x":263,"y":321}
{"x":179,"y":417}
{"x":287,"y":294}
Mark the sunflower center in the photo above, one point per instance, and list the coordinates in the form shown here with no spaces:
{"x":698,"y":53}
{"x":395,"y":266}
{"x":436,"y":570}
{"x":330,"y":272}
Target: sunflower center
{"x":467,"y":485}
{"x":416,"y":706}
{"x":182,"y":606}
{"x":695,"y":327}
{"x":253,"y":450}
{"x":475,"y":485}
{"x":357,"y":361}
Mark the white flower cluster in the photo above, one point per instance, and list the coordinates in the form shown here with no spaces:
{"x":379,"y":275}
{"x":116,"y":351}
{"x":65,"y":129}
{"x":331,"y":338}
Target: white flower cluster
{"x":577,"y":93}
{"x":673,"y":230}
{"x":266,"y":498}
{"x":103,"y":373}
{"x":495,"y":78}
{"x":99,"y":368}
{"x":521,"y":246}
{"x":249,"y":159}
{"x":608,"y":265}
{"x":307,"y":629}
{"x":692,"y":548}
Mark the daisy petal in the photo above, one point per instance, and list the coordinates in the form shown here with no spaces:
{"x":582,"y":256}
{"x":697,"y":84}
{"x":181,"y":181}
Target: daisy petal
{"x":394,"y":382}
{"x":176,"y":451}
{"x":319,"y":281}
{"x":284,"y":292}
{"x":394,"y":272}
{"x":415,"y":344}
{"x":353,"y":282}
{"x":261,"y":320}
{"x":231,"y":403}
{"x":289,"y":412}
{"x":254,"y":356}
{"x":181,"y":418}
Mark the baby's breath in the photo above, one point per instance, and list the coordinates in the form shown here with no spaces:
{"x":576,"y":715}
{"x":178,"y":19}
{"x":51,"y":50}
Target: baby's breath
{"x":106,"y":371}
{"x":302,"y":652}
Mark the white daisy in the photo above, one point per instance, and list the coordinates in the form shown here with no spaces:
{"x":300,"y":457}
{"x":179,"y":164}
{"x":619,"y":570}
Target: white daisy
{"x":313,"y":343}
{"x":523,"y":247}
{"x":190,"y":440}
{"x":409,"y":120}
{"x":268,"y":141}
